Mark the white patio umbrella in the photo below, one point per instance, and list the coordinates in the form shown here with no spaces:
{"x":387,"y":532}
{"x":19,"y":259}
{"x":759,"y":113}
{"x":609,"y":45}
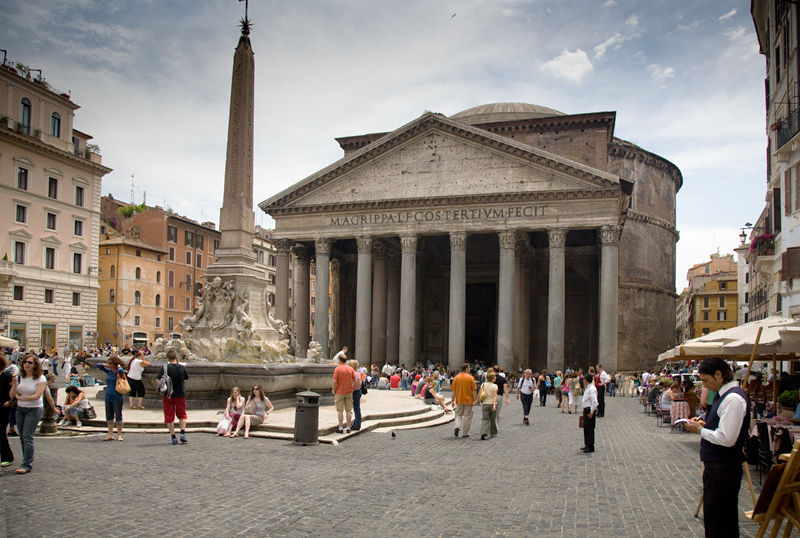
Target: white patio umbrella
{"x":8,"y":342}
{"x":739,"y":340}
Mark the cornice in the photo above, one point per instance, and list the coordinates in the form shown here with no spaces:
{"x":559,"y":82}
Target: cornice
{"x":646,"y":287}
{"x":34,"y":143}
{"x":436,"y":122}
{"x":647,"y":219}
{"x":481,"y":199}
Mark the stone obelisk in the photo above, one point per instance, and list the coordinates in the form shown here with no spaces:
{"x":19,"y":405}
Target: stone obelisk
{"x":235,"y":262}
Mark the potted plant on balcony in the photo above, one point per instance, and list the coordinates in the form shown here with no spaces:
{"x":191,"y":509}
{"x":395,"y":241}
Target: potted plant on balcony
{"x":763,"y":245}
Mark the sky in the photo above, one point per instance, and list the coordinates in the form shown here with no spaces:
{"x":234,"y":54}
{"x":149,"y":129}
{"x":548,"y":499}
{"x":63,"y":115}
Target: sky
{"x":152,"y":78}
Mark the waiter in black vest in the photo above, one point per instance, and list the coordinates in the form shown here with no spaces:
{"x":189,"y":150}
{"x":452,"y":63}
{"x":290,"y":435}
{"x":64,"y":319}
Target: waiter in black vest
{"x":724,"y":430}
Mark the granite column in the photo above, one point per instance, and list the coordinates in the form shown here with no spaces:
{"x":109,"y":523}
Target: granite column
{"x":556,"y":301}
{"x":322,"y":247}
{"x":609,"y":298}
{"x":302,"y":300}
{"x":408,"y":296}
{"x":458,"y":300}
{"x":364,"y":300}
{"x":505,"y":305}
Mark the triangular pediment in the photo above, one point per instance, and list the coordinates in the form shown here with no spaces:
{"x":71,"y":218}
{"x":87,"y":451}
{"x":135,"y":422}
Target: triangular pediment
{"x":434,"y":157}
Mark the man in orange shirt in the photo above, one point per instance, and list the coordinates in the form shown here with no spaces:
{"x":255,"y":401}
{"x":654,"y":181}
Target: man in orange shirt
{"x":464,"y":395}
{"x":344,"y":380}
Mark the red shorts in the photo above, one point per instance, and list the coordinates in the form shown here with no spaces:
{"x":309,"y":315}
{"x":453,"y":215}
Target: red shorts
{"x":173,"y":407}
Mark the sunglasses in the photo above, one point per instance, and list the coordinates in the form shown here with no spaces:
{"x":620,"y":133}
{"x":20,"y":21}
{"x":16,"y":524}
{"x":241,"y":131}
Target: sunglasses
{"x":27,"y":362}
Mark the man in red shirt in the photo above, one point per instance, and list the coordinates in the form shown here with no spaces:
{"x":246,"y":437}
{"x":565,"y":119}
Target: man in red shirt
{"x":394,"y":381}
{"x":463,"y":389}
{"x":344,"y":380}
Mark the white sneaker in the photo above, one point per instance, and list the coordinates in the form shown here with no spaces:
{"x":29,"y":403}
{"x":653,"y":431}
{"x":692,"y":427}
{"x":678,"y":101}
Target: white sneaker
{"x":78,"y":424}
{"x":62,"y":423}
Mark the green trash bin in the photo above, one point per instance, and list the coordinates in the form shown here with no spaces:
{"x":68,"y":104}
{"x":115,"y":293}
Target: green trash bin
{"x":306,"y":419}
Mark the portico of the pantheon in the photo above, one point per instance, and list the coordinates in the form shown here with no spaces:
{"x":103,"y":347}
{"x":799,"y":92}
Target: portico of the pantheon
{"x":509,"y":233}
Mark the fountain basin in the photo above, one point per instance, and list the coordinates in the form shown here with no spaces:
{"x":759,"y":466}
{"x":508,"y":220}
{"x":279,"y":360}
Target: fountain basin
{"x":210,"y":383}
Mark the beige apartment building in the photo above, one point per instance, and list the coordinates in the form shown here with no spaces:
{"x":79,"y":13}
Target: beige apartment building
{"x":50,"y":182}
{"x":189,"y":248}
{"x":131,"y":305}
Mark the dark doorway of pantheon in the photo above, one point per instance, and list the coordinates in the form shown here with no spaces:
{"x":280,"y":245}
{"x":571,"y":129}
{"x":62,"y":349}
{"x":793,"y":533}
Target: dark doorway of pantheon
{"x":480,"y":342}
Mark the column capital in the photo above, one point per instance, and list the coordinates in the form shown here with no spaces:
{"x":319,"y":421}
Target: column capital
{"x":322,"y":245}
{"x":609,"y":235}
{"x":409,"y":243}
{"x":379,"y":250}
{"x":507,"y":239}
{"x":302,"y":253}
{"x":557,"y":237}
{"x":458,"y":240}
{"x":364,"y":243}
{"x":283,"y":246}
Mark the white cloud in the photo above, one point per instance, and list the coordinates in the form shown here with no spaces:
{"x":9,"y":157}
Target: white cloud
{"x":728,"y":15}
{"x":600,"y":50}
{"x":610,"y":3}
{"x":572,"y":66}
{"x":632,"y":21}
{"x":661,"y":74}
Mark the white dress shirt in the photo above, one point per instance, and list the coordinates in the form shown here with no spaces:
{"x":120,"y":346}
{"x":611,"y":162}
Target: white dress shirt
{"x":590,"y":397}
{"x":605,"y":379}
{"x":731,"y":415}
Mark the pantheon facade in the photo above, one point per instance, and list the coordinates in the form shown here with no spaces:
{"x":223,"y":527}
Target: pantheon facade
{"x":509,"y":233}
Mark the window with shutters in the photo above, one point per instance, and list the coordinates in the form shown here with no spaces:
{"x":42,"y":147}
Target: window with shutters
{"x":787,"y":187}
{"x":796,"y":187}
{"x":790,"y":263}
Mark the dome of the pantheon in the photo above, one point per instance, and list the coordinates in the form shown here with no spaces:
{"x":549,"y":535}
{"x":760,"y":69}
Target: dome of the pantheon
{"x":500,"y":112}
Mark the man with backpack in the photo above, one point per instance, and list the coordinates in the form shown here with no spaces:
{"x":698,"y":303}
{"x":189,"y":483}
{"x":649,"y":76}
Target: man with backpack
{"x":172,"y":389}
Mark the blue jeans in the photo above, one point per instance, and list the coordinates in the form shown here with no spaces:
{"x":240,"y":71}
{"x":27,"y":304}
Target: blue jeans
{"x":27,"y":420}
{"x":404,"y":384}
{"x":357,"y":409}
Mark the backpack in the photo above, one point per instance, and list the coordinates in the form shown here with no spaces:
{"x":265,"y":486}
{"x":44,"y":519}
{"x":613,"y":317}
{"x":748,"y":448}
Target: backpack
{"x":165,"y":385}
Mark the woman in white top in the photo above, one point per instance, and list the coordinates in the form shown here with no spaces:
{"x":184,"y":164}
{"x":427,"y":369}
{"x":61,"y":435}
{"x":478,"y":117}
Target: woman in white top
{"x":234,"y":409}
{"x":28,"y":389}
{"x":75,"y":406}
{"x":135,"y":370}
{"x":489,"y":407}
{"x":67,"y":366}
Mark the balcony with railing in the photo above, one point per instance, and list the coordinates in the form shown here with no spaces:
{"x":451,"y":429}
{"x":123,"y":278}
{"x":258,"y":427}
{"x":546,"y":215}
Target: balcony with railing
{"x":788,"y":128}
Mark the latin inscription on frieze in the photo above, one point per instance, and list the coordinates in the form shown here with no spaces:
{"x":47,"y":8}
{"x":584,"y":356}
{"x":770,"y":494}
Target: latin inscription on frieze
{"x":440,"y":215}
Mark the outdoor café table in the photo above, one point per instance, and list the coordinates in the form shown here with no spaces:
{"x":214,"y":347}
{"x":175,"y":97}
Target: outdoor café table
{"x":680,"y":409}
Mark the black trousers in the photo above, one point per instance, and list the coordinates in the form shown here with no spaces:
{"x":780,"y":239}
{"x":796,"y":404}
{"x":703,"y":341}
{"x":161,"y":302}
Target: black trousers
{"x":527,"y":400}
{"x":588,"y":428}
{"x":721,"y":482}
{"x":5,"y":448}
{"x":601,"y":401}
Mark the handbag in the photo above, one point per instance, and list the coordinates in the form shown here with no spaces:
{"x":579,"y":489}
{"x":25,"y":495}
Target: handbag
{"x":482,"y":395}
{"x":122,"y":384}
{"x":578,"y":390}
{"x":580,"y":421}
{"x":89,"y":412}
{"x":222,"y":426}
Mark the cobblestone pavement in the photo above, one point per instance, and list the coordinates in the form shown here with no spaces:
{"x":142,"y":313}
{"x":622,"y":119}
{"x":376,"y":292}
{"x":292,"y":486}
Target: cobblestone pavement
{"x":642,"y":481}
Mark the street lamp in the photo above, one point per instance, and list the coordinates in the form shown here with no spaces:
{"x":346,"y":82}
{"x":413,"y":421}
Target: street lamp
{"x":748,"y":226}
